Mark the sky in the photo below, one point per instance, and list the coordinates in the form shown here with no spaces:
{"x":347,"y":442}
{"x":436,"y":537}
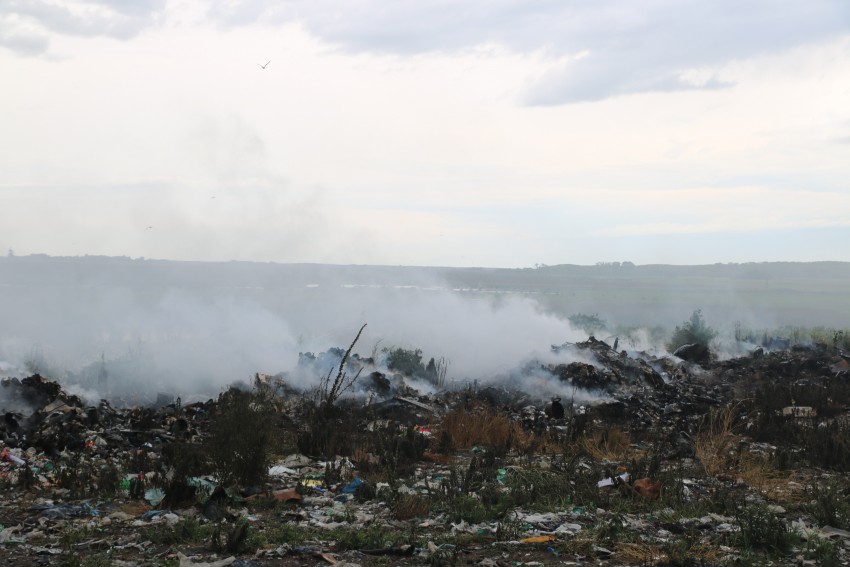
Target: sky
{"x":497,"y":133}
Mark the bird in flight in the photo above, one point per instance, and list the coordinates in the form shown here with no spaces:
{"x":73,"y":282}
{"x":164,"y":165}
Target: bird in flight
{"x":266,"y":65}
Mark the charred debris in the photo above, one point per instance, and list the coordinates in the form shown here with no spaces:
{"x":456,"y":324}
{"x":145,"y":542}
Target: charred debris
{"x":617,"y":457}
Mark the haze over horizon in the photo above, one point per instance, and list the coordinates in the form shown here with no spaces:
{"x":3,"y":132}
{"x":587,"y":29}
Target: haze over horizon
{"x":498,"y":133}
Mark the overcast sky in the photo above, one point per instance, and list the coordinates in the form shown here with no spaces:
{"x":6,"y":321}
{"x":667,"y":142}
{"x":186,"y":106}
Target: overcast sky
{"x":455,"y":133}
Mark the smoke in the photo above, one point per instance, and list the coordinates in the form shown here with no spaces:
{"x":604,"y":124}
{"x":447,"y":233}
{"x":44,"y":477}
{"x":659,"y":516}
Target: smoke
{"x":133,"y":341}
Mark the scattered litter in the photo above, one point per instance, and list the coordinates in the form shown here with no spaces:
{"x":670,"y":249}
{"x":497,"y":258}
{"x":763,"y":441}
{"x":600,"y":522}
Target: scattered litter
{"x":538,"y":539}
{"x":610,"y":481}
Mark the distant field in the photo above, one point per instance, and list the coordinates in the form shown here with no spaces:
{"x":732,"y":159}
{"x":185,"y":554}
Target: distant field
{"x":755,"y":295}
{"x":771,"y":296}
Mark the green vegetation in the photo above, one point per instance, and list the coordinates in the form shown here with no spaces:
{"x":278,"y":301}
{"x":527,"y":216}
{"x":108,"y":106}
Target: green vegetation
{"x":239,"y":443}
{"x":763,"y":529}
{"x":692,"y":331}
{"x":187,"y":530}
{"x":590,"y":324}
{"x":789,"y":335}
{"x":409,"y":363}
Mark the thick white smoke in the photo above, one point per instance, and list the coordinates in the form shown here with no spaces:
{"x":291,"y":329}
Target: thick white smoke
{"x":139,"y":340}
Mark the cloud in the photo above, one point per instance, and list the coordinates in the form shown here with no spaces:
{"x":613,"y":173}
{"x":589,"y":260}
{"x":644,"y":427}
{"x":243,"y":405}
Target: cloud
{"x":724,"y":210}
{"x":28,"y":23}
{"x":633,"y":47}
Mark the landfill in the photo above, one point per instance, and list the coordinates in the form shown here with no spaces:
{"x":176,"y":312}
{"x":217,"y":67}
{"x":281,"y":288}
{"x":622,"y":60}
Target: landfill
{"x":613,"y":457}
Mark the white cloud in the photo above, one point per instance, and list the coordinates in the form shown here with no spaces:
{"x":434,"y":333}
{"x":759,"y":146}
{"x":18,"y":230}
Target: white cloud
{"x":349,"y":150}
{"x":30,"y":22}
{"x":634,"y":47}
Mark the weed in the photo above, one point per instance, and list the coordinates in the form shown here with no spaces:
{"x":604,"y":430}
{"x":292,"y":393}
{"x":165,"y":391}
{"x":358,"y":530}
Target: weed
{"x":373,"y":537}
{"x":73,"y":559}
{"x":763,"y":529}
{"x":461,"y":429}
{"x":288,"y":533}
{"x":235,"y":538}
{"x":687,"y":552}
{"x":611,"y":444}
{"x":467,"y":508}
{"x":539,"y":489}
{"x":411,"y":506}
{"x":239,"y":442}
{"x":187,"y":530}
{"x":72,"y":536}
{"x":398,"y":455}
{"x":825,"y":552}
{"x":829,"y":503}
{"x":610,"y":530}
{"x":715,"y":440}
{"x":509,"y":529}
{"x":640,"y":553}
{"x":331,"y":391}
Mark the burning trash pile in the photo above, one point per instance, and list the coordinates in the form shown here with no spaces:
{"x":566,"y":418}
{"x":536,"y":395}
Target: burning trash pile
{"x":593,"y":454}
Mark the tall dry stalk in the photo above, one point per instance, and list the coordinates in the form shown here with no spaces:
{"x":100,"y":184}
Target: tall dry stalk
{"x":331,"y":391}
{"x":715,"y":440}
{"x":612,"y":444}
{"x":484,"y":427}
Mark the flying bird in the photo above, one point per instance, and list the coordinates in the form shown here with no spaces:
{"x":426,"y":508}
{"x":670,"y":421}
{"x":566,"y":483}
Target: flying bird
{"x":266,"y":65}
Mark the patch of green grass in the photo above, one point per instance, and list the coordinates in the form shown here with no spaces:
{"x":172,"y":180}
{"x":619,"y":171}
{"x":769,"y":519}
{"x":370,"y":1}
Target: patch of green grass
{"x":289,"y":533}
{"x":825,"y":552}
{"x":540,"y":490}
{"x":372,"y":537}
{"x":829,"y":503}
{"x":467,"y":508}
{"x":187,"y":530}
{"x":762,"y":529}
{"x":71,"y":559}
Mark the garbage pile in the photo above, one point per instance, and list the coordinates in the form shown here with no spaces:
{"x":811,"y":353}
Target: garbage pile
{"x":672,"y":460}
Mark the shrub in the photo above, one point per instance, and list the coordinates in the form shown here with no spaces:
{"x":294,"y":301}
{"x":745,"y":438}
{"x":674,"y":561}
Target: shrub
{"x":761,"y":528}
{"x":409,"y":363}
{"x":692,"y":331}
{"x":188,"y":530}
{"x":590,"y":324}
{"x":406,"y":361}
{"x":829,"y":504}
{"x":240,"y":438}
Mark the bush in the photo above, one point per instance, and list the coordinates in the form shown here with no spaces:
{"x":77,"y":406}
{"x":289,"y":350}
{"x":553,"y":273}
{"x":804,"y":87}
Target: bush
{"x":406,"y":361}
{"x":692,"y":331}
{"x":761,"y":528}
{"x":590,"y":324}
{"x":240,"y":438}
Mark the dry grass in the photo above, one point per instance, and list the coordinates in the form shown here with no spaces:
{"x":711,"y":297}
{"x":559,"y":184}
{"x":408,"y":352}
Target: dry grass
{"x":758,"y":473}
{"x":611,"y":444}
{"x":483,"y":426}
{"x":439,"y":458}
{"x":652,"y":554}
{"x":412,"y":506}
{"x":640,"y":553}
{"x":715,"y":442}
{"x":715,"y":445}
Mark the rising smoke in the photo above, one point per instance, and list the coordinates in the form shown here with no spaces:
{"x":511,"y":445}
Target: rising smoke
{"x":136,"y":339}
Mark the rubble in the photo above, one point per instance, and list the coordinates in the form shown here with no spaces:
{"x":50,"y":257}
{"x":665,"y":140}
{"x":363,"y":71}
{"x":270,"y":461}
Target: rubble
{"x":642,"y":475}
